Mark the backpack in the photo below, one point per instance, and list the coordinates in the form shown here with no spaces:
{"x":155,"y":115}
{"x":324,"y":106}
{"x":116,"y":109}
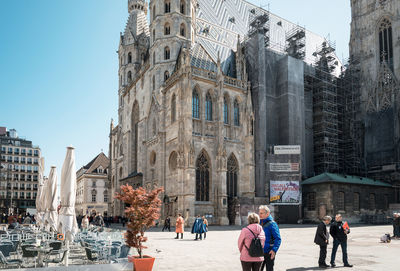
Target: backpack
{"x":255,"y":249}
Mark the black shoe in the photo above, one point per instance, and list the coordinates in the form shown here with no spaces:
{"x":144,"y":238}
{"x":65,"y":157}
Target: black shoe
{"x":323,"y":266}
{"x":333,"y":265}
{"x":348,"y":265}
{"x":176,"y":238}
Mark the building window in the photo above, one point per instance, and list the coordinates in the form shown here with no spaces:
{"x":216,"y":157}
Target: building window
{"x":173,"y":108}
{"x":154,"y":58}
{"x":340,"y":201}
{"x":154,"y":38}
{"x":167,"y":29}
{"x":167,"y":53}
{"x":311,"y":202}
{"x":129,"y":76}
{"x":154,"y":128}
{"x":195,"y":105}
{"x":232,"y":177}
{"x":386,"y":42}
{"x":183,"y":30}
{"x":94,"y":184}
{"x":226,"y":111}
{"x":208,"y":107}
{"x":167,"y":6}
{"x":182,"y":7}
{"x":372,"y":202}
{"x":105,"y":196}
{"x":356,"y":202}
{"x":202,"y":178}
{"x":166,"y":75}
{"x":154,"y":82}
{"x":94,"y":198}
{"x":236,"y":113}
{"x":129,"y":57}
{"x":121,"y":150}
{"x":173,"y":159}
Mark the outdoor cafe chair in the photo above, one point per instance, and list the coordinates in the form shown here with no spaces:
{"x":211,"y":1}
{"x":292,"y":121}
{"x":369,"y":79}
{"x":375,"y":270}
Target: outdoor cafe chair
{"x":56,"y":260}
{"x":56,"y":248}
{"x":26,"y":254}
{"x":90,"y":256}
{"x":7,"y":263}
{"x":124,"y":251}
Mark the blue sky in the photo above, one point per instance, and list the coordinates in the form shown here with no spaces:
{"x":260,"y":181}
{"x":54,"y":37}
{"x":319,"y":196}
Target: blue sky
{"x":59,"y":67}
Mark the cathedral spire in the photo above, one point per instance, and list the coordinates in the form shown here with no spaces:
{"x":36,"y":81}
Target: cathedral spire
{"x":137,"y":5}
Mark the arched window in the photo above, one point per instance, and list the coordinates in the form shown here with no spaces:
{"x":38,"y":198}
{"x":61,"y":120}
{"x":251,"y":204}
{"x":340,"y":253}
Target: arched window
{"x":129,"y":57}
{"x":195,"y":105}
{"x":202,"y":178}
{"x":173,"y":158}
{"x":120,"y":150}
{"x":120,"y":172}
{"x":154,"y":58}
{"x":182,"y":7}
{"x":386,"y":42}
{"x":167,"y":5}
{"x":154,"y":82}
{"x":183,"y":30}
{"x":154,"y":12}
{"x":154,"y":35}
{"x":94,"y":193}
{"x":340,"y":201}
{"x":236,"y":113}
{"x":105,"y":193}
{"x":129,"y":76}
{"x":226,"y":111}
{"x":372,"y":202}
{"x":208,"y":107}
{"x":232,"y":177}
{"x":173,"y":108}
{"x":356,"y":202}
{"x":167,"y":29}
{"x":166,"y":75}
{"x":154,"y":128}
{"x":166,"y":53}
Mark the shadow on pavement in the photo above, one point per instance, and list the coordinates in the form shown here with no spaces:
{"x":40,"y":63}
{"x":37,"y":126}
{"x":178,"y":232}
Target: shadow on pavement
{"x":303,"y":268}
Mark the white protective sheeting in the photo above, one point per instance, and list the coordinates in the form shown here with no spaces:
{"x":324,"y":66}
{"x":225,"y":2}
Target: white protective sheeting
{"x":39,"y":217}
{"x":67,"y":220}
{"x":51,"y":217}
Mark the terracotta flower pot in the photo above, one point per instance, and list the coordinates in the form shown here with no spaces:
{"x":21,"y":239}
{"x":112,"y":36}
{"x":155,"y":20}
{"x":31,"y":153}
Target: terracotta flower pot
{"x":142,"y":264}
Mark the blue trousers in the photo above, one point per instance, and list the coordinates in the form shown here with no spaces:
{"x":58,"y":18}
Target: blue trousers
{"x":343,"y":245}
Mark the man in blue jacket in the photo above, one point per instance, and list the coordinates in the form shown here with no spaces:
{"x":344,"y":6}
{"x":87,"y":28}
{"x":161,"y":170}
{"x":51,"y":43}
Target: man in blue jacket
{"x":272,"y":237}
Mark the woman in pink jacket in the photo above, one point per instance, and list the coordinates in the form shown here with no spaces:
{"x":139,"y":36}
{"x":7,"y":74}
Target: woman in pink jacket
{"x":246,"y":236}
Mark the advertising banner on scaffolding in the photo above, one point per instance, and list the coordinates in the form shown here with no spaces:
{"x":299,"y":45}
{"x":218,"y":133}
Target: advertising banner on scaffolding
{"x":285,"y":192}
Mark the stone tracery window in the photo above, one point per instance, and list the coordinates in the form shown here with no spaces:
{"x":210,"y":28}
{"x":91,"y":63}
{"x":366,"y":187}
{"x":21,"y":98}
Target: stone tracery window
{"x":182,"y":30}
{"x":340,"y":201}
{"x":311,"y":202}
{"x":195,"y":105}
{"x":232,"y":176}
{"x":129,"y":76}
{"x":236,"y":113}
{"x":209,"y":107}
{"x":202,"y":178}
{"x":167,"y":6}
{"x":386,"y":42}
{"x":182,"y":7}
{"x":167,"y":29}
{"x":173,"y":108}
{"x":166,"y":75}
{"x":129,"y":57}
{"x":167,"y":53}
{"x":226,"y":111}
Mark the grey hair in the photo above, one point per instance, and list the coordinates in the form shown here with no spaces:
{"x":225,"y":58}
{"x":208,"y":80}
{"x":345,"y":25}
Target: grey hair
{"x":253,"y":218}
{"x":327,"y":218}
{"x":265,"y":208}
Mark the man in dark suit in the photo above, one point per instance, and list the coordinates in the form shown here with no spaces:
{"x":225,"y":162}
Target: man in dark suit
{"x":339,"y":234}
{"x":322,"y":239}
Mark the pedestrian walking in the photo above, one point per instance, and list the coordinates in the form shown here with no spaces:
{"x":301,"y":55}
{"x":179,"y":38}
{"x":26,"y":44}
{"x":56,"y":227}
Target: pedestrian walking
{"x":179,"y":226}
{"x":253,"y":230}
{"x":198,"y":228}
{"x":339,"y":234}
{"x":272,"y":237}
{"x":322,"y":239}
{"x":205,"y":225}
{"x":396,"y":225}
{"x":167,"y":224}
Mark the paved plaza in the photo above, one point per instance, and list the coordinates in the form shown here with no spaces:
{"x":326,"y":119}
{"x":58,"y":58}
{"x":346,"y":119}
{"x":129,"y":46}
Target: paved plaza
{"x":297,"y":253}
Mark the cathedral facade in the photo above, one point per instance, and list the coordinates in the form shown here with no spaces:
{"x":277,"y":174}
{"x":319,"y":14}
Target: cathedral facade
{"x":185,"y":117}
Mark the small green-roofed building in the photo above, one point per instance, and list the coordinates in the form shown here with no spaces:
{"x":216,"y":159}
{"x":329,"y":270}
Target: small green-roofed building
{"x":352,"y":196}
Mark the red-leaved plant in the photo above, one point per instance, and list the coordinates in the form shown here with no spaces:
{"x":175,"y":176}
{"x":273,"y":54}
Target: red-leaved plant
{"x":142,"y":212}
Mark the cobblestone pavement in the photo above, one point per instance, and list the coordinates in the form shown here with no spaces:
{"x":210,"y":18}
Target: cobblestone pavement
{"x":297,"y":253}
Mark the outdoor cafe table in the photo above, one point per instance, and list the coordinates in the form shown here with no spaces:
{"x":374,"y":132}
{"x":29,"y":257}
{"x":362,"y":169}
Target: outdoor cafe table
{"x":41,"y":252}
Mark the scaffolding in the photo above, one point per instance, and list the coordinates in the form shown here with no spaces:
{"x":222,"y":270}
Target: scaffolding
{"x":296,"y":42}
{"x":259,"y":23}
{"x":323,"y":87}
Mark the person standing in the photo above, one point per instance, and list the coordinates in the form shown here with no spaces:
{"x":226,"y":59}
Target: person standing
{"x":85,"y":223}
{"x":396,"y":225}
{"x":322,"y":239}
{"x":167,"y":224}
{"x":246,"y":236}
{"x":339,"y":235}
{"x":198,"y":228}
{"x":272,"y":237}
{"x":205,"y":226}
{"x":180,"y":226}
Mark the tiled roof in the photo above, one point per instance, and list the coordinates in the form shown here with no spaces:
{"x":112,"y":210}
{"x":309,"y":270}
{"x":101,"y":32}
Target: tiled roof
{"x":348,"y":179}
{"x":92,"y":166}
{"x":201,"y":59}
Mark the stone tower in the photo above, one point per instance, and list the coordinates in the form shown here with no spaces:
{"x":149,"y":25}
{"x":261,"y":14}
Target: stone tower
{"x":171,"y":28}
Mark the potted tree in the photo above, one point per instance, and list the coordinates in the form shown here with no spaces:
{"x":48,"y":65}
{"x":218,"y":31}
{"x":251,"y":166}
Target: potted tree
{"x":142,"y":212}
